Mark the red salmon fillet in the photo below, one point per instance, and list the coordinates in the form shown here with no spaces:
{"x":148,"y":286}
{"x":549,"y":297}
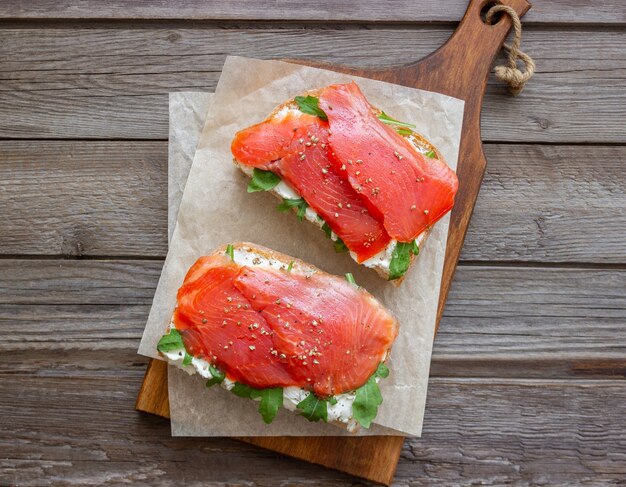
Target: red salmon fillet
{"x":218,"y":323}
{"x":334,"y":335}
{"x":295,"y":146}
{"x":273,"y":328}
{"x":409,"y":190}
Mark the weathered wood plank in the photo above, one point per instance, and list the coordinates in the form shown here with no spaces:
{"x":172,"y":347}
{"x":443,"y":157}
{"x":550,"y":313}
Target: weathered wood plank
{"x":543,"y":11}
{"x":476,"y":431}
{"x":568,"y":319}
{"x":522,"y":428}
{"x":83,"y":198}
{"x":537,"y":203}
{"x":550,"y":204}
{"x":112,"y":83}
{"x":72,"y":326}
{"x":57,"y":361}
{"x":78,"y":282}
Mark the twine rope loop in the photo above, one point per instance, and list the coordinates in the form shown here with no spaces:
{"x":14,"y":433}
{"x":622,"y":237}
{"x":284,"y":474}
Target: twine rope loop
{"x":510,"y":73}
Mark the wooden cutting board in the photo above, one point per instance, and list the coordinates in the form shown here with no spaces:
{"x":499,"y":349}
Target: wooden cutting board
{"x":460,"y":69}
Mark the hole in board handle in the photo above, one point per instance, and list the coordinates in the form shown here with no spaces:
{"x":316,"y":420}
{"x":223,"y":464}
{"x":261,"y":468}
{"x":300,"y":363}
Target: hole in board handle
{"x":486,"y":7}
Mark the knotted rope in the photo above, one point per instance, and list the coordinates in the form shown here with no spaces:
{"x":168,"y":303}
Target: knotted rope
{"x":511,"y":74}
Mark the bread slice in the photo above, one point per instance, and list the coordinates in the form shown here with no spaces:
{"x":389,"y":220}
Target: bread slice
{"x":250,"y":255}
{"x":380,"y":262}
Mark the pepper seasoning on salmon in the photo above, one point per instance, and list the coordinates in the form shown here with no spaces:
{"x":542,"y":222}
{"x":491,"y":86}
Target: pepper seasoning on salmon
{"x":295,"y":147}
{"x":409,"y":190}
{"x":266,"y":328}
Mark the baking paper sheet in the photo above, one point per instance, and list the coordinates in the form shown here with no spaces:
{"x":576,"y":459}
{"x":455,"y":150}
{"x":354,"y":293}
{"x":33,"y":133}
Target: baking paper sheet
{"x":188,"y":112}
{"x":216,"y":209}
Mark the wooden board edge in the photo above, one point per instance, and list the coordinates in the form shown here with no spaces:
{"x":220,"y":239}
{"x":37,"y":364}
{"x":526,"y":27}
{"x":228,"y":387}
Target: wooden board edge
{"x":153,"y":395}
{"x":360,"y":449}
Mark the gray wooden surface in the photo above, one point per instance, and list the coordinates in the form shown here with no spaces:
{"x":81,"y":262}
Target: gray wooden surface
{"x":528,"y":370}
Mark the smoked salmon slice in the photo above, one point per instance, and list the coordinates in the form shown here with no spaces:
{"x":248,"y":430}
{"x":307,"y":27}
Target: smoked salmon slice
{"x":217,"y":322}
{"x":294,"y":145}
{"x":333,"y":334}
{"x":409,"y":190}
{"x":266,"y":327}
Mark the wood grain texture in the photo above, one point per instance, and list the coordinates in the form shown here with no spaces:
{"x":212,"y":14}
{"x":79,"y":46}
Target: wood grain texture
{"x":550,"y":204}
{"x":93,"y":198}
{"x":374,"y":458}
{"x":68,"y":366}
{"x":543,"y":12}
{"x":508,"y":315}
{"x":153,"y":396}
{"x":103,"y":83}
{"x":80,"y":282}
{"x":488,"y":432}
{"x":83,"y":198}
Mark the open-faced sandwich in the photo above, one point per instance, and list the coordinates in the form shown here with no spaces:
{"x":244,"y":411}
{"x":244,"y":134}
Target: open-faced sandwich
{"x":272,"y":328}
{"x":371,"y":183}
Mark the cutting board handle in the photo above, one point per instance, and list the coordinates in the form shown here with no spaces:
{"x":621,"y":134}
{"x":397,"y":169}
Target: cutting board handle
{"x":469,"y":52}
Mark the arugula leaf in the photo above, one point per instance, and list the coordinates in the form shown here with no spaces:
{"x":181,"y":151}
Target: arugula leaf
{"x":338,"y":244}
{"x":382,"y":371}
{"x":172,"y":341}
{"x":430,"y":153}
{"x":366,"y":402}
{"x":217,"y":376}
{"x":289,"y":203}
{"x":262,"y":181}
{"x":230,"y":251}
{"x":404,"y":131}
{"x":350,"y":278}
{"x":383,"y":117}
{"x":271,"y":401}
{"x":314,"y":408}
{"x":311,"y":105}
{"x":243,"y":390}
{"x":327,"y":229}
{"x":302,"y":211}
{"x":290,"y":266}
{"x":401,"y":259}
{"x":368,"y":398}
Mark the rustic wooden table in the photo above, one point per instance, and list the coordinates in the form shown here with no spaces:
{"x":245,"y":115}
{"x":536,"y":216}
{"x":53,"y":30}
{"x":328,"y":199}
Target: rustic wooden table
{"x":528,"y":370}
